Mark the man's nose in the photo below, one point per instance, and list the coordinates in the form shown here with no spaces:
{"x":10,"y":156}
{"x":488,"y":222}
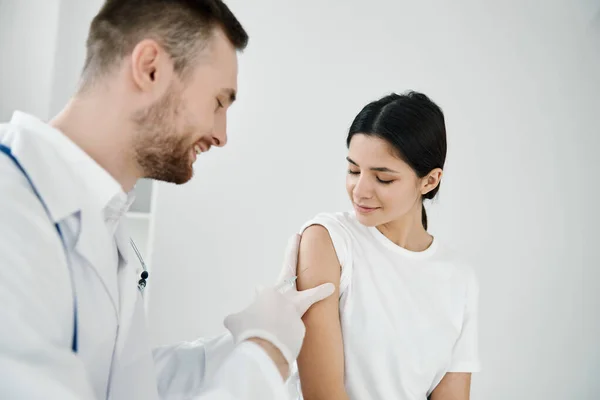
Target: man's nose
{"x":219,"y":136}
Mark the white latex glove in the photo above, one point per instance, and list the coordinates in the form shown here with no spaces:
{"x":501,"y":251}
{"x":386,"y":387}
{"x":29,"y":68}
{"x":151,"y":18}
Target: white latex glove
{"x":275,"y":316}
{"x":306,"y":298}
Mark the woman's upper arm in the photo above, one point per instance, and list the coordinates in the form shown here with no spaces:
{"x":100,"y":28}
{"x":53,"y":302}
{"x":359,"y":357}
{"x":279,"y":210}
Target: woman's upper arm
{"x":321,"y":360}
{"x":454,"y":386}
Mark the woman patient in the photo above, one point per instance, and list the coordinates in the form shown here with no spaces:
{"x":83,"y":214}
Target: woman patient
{"x":403,"y":322}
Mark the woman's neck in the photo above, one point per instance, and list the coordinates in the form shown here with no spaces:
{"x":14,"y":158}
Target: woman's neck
{"x":407,"y":232}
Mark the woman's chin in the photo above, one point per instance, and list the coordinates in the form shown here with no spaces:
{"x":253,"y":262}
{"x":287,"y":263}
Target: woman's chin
{"x":367,"y":220}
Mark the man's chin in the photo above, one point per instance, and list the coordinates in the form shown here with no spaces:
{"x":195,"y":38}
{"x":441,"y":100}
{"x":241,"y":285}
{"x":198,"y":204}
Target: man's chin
{"x":180,"y":180}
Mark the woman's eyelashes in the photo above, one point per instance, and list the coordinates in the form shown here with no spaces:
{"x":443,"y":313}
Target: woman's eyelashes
{"x":382,"y":181}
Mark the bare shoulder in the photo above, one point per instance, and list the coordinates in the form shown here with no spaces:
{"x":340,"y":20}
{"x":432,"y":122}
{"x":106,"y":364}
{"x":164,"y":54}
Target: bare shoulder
{"x":454,"y":385}
{"x":316,"y":235}
{"x":318,"y":261}
{"x":321,"y":360}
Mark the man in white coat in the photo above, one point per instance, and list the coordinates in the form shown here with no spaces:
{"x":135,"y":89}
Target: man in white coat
{"x":158,"y":79}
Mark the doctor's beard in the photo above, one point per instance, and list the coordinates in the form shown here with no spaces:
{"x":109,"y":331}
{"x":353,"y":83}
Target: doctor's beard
{"x":162,"y":150}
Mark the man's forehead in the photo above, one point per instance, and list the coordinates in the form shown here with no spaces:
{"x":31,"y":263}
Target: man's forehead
{"x":224,"y":62}
{"x":220,"y":72}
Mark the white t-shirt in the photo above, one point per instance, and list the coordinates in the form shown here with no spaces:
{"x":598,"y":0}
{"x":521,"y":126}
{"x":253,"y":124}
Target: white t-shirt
{"x":407,"y":317}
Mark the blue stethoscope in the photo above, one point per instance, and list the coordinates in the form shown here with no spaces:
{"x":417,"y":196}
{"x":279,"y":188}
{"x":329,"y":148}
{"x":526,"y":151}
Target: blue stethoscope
{"x":144,"y":276}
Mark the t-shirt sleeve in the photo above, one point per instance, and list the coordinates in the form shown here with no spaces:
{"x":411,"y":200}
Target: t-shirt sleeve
{"x":341,"y":239}
{"x":465,"y":356}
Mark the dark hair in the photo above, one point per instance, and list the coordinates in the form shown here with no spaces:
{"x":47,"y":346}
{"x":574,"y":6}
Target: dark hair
{"x":182,"y":27}
{"x":413,"y":125}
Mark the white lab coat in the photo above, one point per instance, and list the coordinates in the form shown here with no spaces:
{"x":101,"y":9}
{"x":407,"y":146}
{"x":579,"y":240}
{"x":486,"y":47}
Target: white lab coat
{"x":36,"y":303}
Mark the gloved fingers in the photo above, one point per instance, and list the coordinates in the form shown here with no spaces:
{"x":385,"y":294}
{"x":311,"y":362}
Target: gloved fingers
{"x":290,"y":261}
{"x":271,"y":317}
{"x":304,"y":299}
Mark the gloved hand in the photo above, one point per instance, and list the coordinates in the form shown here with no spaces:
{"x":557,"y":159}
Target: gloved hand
{"x":286,"y":282}
{"x":275,"y":316}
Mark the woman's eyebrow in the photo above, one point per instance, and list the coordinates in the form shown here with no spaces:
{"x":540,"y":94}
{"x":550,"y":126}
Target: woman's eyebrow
{"x":378,"y":169}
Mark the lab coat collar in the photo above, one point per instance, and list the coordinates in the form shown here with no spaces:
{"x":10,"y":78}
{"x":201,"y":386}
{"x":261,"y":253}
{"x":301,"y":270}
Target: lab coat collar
{"x":70,"y":182}
{"x":102,"y":189}
{"x":34,"y":142}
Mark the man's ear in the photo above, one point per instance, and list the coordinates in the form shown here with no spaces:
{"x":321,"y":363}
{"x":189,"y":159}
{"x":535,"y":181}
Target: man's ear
{"x":151,"y":67}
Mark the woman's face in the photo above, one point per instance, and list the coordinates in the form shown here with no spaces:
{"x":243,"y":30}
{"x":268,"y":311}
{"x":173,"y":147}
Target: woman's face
{"x":381,"y":186}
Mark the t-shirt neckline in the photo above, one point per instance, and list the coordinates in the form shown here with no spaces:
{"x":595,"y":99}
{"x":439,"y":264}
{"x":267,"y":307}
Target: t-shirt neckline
{"x":381,"y":238}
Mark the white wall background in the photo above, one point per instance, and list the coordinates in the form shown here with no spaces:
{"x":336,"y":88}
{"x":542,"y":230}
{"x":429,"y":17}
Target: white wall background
{"x":75,"y":18}
{"x":28,"y":30}
{"x":519,"y":82}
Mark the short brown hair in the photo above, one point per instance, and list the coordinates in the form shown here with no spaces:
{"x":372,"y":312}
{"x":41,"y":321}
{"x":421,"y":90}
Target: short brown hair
{"x":182,"y":27}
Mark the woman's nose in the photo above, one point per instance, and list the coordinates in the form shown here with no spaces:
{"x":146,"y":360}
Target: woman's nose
{"x":363,"y":189}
